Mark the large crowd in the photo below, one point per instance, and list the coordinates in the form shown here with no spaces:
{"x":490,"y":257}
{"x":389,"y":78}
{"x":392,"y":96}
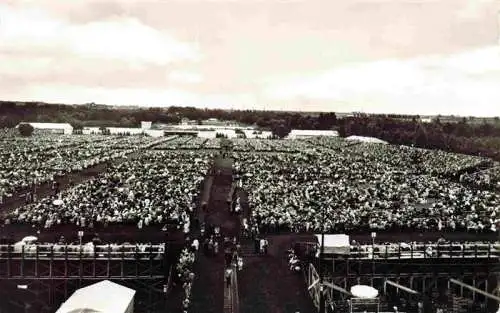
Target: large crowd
{"x":297,"y":185}
{"x":25,"y":162}
{"x":153,"y":188}
{"x":485,"y":179}
{"x":361,"y":187}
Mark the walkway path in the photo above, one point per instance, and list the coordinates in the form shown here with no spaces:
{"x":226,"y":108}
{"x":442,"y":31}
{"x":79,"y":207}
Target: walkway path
{"x":266,"y":285}
{"x":208,"y":293}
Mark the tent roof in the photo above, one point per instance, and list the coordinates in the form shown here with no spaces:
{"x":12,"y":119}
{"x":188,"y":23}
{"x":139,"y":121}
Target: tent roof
{"x":313,"y":132}
{"x":49,"y":125}
{"x":97,"y":298}
{"x":332,"y":241}
{"x":366,"y":139}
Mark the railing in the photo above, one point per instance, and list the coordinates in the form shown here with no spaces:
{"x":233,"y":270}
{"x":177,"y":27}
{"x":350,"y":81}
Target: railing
{"x":107,"y":252}
{"x":422,"y":251}
{"x":231,"y":298}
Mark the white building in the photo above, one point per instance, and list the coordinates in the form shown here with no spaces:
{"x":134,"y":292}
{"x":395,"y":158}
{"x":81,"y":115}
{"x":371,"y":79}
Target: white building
{"x":125,"y":131}
{"x":91,"y":130}
{"x":366,"y":139}
{"x":146,"y":125}
{"x":306,"y":133}
{"x":53,"y":128}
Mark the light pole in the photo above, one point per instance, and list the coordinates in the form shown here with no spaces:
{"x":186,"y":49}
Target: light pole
{"x":321,"y":254}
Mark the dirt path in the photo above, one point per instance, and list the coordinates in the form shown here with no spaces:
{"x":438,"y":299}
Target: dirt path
{"x":208,"y":287}
{"x":268,"y":286}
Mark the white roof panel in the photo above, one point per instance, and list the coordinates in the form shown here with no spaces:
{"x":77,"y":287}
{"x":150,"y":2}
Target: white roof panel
{"x":103,"y":297}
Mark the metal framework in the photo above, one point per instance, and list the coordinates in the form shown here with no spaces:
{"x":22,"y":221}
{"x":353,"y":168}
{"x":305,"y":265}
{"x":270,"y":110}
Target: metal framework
{"x":39,"y":278}
{"x":416,"y":271}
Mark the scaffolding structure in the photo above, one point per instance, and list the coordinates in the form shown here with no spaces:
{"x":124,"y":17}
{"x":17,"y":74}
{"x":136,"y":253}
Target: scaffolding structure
{"x":416,"y":272}
{"x":39,"y":278}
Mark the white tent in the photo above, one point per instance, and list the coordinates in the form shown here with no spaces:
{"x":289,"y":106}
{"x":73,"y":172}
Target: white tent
{"x":364,"y":291}
{"x":338,"y":244}
{"x":101,"y":297}
{"x":307,"y":133}
{"x":62,"y":128}
{"x":365,"y":139}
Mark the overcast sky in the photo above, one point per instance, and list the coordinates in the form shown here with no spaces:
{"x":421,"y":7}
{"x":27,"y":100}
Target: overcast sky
{"x":402,"y":56}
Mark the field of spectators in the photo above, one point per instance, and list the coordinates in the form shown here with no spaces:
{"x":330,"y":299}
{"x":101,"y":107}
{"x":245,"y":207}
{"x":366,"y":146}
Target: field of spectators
{"x":152,"y":188}
{"x":366,"y":187}
{"x":30,"y":161}
{"x":485,"y":179}
{"x":360,"y":186}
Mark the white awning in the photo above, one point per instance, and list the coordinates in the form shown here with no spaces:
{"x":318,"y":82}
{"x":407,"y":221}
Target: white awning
{"x":364,"y":291}
{"x":102,"y":297}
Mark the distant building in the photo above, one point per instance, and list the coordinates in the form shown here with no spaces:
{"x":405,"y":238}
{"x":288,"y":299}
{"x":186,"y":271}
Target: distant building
{"x":305,"y":133}
{"x":146,"y":124}
{"x":52,"y":128}
{"x":91,"y":130}
{"x":179,"y":132}
{"x":365,"y":139}
{"x":124,"y":131}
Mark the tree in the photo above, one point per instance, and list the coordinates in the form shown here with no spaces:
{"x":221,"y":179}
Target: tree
{"x":103,"y":130}
{"x":342,"y":130}
{"x":26,"y":130}
{"x":280,"y":130}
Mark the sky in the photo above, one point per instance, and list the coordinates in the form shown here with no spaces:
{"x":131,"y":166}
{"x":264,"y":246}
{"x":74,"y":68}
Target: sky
{"x":375,"y":56}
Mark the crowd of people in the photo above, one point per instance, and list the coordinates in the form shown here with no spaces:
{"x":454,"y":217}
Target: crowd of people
{"x":25,"y":162}
{"x":359,"y":186}
{"x":364,"y":187}
{"x":186,"y":275}
{"x":153,"y":188}
{"x":485,"y":179}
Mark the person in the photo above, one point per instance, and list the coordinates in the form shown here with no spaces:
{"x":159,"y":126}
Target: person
{"x":216,"y":248}
{"x":262,"y":243}
{"x":229,"y":271}
{"x":206,"y":246}
{"x":240,"y":263}
{"x":195,"y":245}
{"x":227,"y":256}
{"x":211,"y":247}
{"x":28,"y":197}
{"x":256,"y":245}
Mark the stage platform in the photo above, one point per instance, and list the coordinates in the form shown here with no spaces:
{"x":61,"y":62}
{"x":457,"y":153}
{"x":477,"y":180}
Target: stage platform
{"x":39,"y":278}
{"x":428,"y":270}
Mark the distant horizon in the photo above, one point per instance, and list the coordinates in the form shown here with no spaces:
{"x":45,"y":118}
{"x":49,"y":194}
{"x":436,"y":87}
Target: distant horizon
{"x":435,"y":57}
{"x":142,"y":107}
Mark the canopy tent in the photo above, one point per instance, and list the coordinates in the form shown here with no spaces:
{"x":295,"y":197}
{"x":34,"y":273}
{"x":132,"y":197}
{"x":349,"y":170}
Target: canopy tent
{"x":29,"y":239}
{"x":96,"y":299}
{"x":365,"y":139}
{"x":364,"y":291}
{"x":335,"y":244}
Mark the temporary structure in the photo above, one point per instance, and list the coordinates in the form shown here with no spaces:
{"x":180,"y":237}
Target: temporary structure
{"x":96,"y":299}
{"x":364,"y":291}
{"x":365,"y":139}
{"x":29,"y":239}
{"x":335,"y":244}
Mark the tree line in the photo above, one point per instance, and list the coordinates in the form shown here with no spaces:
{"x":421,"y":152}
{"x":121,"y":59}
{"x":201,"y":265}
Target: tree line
{"x":466,"y":137}
{"x":481,"y":139}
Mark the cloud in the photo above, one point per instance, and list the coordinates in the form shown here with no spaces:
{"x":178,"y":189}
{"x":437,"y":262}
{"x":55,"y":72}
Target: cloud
{"x":115,"y":38}
{"x":185,"y":77}
{"x":59,"y":93}
{"x":475,"y":9}
{"x":465,"y":83}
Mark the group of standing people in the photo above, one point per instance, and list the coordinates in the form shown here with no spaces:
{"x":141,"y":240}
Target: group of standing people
{"x":261,"y":245}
